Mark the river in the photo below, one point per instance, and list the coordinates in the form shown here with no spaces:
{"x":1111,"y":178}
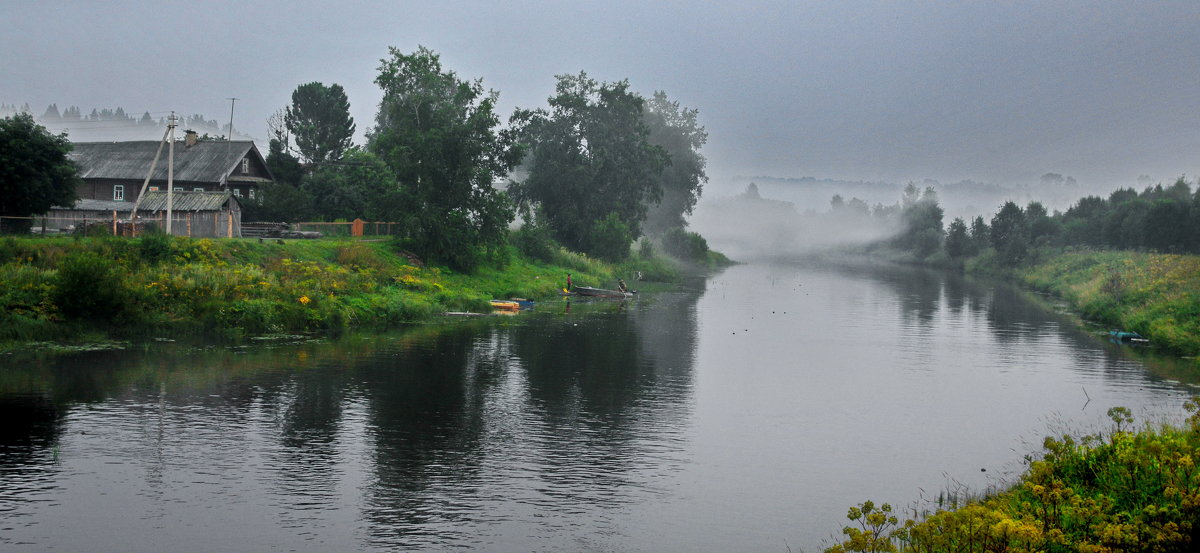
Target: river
{"x":744,"y":412}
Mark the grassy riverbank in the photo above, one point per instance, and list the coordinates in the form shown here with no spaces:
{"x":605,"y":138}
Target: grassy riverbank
{"x":1124,"y":491}
{"x":1155,"y":295}
{"x":79,"y":289}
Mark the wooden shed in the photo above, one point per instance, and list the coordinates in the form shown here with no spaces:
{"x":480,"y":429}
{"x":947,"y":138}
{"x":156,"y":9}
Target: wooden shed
{"x":196,"y":214}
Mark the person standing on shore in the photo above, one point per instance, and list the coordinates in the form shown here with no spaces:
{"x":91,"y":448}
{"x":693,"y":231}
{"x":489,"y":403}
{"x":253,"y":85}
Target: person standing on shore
{"x":568,"y":288}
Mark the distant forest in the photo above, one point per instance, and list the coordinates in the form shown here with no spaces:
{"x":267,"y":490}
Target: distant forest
{"x":102,"y":124}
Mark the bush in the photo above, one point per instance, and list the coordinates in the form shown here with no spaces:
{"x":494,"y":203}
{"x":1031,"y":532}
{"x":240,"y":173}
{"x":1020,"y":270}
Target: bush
{"x":610,"y":238}
{"x":89,"y":286}
{"x":535,"y":241}
{"x":685,"y":245}
{"x":154,"y":246}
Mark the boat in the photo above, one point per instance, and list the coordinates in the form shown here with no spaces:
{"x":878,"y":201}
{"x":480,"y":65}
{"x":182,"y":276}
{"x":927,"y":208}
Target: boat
{"x":506,"y":305}
{"x":1127,"y":336}
{"x":523,"y":303}
{"x":589,"y":292}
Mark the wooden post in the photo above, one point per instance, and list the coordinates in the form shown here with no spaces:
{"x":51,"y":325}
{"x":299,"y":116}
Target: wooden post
{"x":189,"y":224}
{"x":229,"y":221}
{"x":114,"y":222}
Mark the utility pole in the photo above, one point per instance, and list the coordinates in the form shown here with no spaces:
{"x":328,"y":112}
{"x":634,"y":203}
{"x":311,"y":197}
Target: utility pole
{"x":170,"y":171}
{"x":232,"y":102}
{"x":228,"y":140}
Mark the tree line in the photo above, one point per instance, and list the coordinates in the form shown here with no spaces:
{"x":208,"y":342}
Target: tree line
{"x":1159,"y":218}
{"x":594,"y":170}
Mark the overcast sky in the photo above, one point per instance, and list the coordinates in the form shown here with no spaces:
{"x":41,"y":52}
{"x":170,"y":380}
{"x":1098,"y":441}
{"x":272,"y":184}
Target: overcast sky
{"x":897,"y":91}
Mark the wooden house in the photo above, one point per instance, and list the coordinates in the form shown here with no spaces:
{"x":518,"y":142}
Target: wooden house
{"x":115,"y":171}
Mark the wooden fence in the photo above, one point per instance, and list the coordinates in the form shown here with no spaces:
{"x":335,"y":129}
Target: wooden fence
{"x":355,"y":228}
{"x":199,"y":224}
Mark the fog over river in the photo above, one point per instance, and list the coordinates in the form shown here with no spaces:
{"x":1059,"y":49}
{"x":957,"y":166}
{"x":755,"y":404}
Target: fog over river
{"x":745,"y":412}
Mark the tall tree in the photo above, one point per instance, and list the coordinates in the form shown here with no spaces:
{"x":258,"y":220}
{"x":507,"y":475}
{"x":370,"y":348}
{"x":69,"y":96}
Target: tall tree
{"x":591,"y":156}
{"x":1010,"y":236}
{"x":958,"y":244}
{"x":439,"y":136}
{"x":922,"y":220}
{"x":319,"y":120}
{"x":35,"y":173}
{"x":676,"y":130}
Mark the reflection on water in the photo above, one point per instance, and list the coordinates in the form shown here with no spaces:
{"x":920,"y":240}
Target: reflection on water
{"x":744,"y":413}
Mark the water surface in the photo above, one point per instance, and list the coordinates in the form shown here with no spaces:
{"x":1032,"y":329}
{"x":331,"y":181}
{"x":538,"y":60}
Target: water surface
{"x":743,"y":413}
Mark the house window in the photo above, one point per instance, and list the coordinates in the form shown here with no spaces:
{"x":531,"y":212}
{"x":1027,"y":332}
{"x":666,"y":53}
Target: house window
{"x":237,"y":192}
{"x":245,"y":165}
{"x":154,"y":189}
{"x":198,"y":189}
{"x":119,"y":193}
{"x":250,"y":193}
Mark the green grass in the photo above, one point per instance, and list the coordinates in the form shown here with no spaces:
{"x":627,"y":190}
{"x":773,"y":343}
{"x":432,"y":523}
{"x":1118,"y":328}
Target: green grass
{"x":60,"y":287}
{"x":1155,"y":295}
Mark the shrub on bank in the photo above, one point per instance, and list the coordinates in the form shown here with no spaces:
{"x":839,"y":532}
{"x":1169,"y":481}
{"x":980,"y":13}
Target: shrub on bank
{"x":1127,"y":491}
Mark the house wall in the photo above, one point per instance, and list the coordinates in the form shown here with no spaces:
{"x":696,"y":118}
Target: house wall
{"x":102,"y":189}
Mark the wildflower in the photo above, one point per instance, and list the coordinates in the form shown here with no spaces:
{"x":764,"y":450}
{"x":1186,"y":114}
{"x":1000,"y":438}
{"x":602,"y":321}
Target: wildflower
{"x":304,"y":300}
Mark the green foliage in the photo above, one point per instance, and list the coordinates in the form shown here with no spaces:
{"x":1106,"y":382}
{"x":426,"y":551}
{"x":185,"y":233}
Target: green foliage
{"x":278,"y":202}
{"x":591,"y":157}
{"x":921,"y":218}
{"x":319,"y":119}
{"x":981,"y":236}
{"x":535,"y":241}
{"x":358,"y":186}
{"x":1010,"y":236}
{"x":1156,"y":295}
{"x":284,"y":166}
{"x":958,"y":243}
{"x":1137,"y":491}
{"x":877,"y":530}
{"x":89,"y":286}
{"x":61,"y":287}
{"x":610,"y":238}
{"x":35,"y":172}
{"x":688,"y":246}
{"x":438,"y":135}
{"x":676,"y":130}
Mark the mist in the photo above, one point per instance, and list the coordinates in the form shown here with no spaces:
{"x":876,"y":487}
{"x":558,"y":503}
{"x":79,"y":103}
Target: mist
{"x":850,"y":91}
{"x":750,"y":226}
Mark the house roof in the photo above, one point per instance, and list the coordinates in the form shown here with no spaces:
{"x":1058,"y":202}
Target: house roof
{"x":205,"y":161}
{"x":156,"y":200}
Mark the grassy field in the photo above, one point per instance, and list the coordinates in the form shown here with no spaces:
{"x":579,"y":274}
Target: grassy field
{"x":80,"y":289}
{"x":1155,"y":295}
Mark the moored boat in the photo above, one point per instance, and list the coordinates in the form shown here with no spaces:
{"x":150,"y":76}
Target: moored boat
{"x":590,"y":292}
{"x":1127,"y":336}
